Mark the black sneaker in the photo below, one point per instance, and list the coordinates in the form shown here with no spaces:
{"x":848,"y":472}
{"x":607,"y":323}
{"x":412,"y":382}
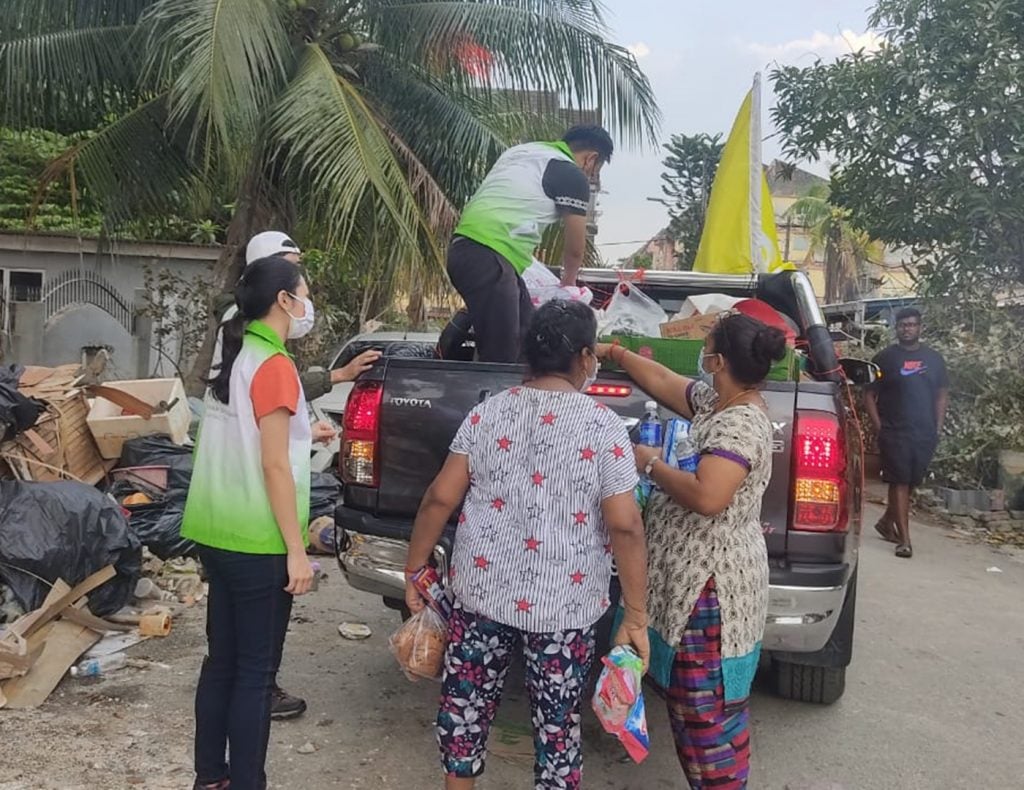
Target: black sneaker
{"x":284,"y":706}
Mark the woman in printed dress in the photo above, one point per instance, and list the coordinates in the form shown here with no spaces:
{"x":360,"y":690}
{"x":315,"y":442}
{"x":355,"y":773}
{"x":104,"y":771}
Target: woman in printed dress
{"x":708,"y":570}
{"x":546,"y":478}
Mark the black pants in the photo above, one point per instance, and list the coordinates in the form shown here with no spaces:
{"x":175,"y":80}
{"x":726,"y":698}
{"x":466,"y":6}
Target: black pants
{"x":497,"y":299}
{"x":905,"y":456}
{"x":247,"y":615}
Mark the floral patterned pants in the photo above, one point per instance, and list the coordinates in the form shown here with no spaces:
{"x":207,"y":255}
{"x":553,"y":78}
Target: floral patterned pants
{"x":476,"y":663}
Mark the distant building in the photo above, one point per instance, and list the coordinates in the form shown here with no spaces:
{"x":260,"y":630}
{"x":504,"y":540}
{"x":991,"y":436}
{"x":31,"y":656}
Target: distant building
{"x":658,"y":254}
{"x":887,"y":277}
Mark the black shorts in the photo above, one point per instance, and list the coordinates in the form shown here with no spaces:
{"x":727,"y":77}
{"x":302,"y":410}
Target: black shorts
{"x":905,"y":457}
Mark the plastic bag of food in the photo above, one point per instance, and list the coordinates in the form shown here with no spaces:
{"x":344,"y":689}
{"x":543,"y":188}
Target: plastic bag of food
{"x":631,"y":312}
{"x":419,"y":645}
{"x":544,"y":286}
{"x":619,"y":701}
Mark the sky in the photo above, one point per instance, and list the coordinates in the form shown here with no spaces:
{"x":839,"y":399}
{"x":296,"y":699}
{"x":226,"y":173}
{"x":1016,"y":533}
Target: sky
{"x":701,"y":57}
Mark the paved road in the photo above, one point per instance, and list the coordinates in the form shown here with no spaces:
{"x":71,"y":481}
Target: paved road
{"x":934,"y":698}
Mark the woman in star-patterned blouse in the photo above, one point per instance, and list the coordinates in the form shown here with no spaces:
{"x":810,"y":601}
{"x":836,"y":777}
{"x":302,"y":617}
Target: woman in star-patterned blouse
{"x":545,"y":476}
{"x":708,"y":571}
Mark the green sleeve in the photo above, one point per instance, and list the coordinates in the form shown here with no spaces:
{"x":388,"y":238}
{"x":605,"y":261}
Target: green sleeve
{"x":315,"y":383}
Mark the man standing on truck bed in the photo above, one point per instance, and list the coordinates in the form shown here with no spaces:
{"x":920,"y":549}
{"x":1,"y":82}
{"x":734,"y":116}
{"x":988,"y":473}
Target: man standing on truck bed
{"x":907,"y":407}
{"x":530,"y":187}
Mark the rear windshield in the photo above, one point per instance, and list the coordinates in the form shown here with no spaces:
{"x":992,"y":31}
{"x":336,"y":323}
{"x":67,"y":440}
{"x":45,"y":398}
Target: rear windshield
{"x":416,"y":349}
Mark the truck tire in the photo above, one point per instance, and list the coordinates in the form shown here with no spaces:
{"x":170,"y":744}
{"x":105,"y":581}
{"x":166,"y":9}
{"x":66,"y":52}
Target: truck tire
{"x":818,"y":685}
{"x":820,"y":678}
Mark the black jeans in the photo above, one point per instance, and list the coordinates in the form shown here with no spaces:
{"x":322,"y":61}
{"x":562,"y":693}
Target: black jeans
{"x":497,"y":299}
{"x":247,"y":615}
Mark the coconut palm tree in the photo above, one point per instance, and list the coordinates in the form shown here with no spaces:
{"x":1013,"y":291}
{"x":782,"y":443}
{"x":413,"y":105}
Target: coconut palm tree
{"x":846,"y":248}
{"x":363,"y":122}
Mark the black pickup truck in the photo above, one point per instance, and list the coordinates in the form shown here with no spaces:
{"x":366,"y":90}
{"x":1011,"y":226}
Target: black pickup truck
{"x":402,"y":415}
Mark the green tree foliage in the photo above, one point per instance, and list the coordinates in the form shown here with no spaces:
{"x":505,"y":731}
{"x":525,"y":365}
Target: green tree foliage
{"x":928,"y":132}
{"x":690,"y":169}
{"x":337,"y":116}
{"x":24,"y":157}
{"x":847,"y":250}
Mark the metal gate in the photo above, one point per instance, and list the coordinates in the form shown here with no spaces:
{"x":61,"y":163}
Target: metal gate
{"x":74,"y":287}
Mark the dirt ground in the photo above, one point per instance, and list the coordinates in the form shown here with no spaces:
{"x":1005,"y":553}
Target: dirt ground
{"x":935,"y":678}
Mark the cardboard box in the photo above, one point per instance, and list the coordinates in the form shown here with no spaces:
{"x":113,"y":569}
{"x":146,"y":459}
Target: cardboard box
{"x":696,"y":327}
{"x":111,"y":427}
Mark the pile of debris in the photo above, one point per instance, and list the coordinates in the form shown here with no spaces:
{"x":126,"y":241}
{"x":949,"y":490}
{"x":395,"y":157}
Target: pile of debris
{"x":56,"y":443}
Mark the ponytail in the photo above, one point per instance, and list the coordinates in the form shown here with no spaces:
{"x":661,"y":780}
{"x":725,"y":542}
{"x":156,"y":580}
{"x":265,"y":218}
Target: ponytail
{"x":231,"y":343}
{"x":255,"y":294}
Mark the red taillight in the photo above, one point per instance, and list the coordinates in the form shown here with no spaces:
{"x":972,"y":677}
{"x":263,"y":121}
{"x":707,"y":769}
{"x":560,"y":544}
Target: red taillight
{"x":610,"y":390}
{"x":359,"y":459}
{"x":819,"y":473}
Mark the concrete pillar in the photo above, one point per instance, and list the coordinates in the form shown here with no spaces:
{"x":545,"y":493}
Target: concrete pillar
{"x":142,"y":334}
{"x":28,"y":324}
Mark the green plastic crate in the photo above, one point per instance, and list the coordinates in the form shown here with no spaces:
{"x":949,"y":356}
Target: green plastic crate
{"x":680,"y":355}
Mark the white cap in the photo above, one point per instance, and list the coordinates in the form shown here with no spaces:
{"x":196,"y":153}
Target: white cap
{"x":270,"y":242}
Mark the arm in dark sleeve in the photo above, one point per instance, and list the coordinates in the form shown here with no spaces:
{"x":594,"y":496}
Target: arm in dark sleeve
{"x":567,"y":186}
{"x":315,"y":383}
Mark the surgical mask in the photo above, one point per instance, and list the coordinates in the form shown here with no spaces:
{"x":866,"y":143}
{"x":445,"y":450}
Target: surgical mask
{"x":588,"y":382}
{"x":702,"y":373}
{"x":300,"y":327}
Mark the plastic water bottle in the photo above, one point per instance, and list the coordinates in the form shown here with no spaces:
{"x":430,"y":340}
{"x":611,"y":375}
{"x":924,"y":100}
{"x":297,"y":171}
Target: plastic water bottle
{"x":650,"y":435}
{"x":94,"y":667}
{"x":684,"y":449}
{"x":650,"y":425}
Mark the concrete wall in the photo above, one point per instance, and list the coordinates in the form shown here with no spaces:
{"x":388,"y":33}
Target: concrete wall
{"x":37,"y":339}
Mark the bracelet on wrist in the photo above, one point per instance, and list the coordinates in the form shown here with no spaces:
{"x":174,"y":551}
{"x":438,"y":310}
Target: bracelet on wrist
{"x":413,"y":571}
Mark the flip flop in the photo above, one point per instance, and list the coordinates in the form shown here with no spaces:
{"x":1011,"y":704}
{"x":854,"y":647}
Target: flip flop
{"x":904,"y":551}
{"x":886,"y":531}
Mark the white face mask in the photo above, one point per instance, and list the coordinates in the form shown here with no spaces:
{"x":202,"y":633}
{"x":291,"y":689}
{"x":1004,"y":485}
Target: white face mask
{"x":588,"y":382}
{"x":707,"y":378}
{"x":300,"y":327}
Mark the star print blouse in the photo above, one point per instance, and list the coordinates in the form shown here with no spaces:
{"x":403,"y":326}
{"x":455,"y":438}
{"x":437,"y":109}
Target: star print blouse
{"x":531,"y":547}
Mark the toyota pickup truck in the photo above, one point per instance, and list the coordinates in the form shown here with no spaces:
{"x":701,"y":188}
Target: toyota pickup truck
{"x":401,"y":416}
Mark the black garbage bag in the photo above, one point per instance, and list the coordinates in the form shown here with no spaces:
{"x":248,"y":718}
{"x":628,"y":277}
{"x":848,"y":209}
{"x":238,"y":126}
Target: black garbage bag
{"x":160,"y":450}
{"x":158,"y":525}
{"x":17,"y":412}
{"x":325,"y":489}
{"x":65,"y":530}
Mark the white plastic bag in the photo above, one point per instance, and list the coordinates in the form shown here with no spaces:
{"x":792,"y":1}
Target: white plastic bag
{"x":631,"y":312}
{"x":419,"y":645}
{"x":544,"y":286}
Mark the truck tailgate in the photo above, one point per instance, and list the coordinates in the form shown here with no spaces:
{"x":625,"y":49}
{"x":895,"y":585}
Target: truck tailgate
{"x":424,"y":403}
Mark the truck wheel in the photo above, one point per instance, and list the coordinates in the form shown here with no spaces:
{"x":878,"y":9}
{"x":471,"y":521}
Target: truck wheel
{"x":819,"y":685}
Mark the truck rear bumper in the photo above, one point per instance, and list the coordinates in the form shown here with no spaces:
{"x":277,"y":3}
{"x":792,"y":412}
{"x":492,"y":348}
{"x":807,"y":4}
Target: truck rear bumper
{"x":801,"y":616}
{"x":801,"y":619}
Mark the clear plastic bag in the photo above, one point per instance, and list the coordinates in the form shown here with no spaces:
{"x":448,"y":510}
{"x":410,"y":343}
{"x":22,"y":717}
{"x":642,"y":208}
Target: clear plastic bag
{"x":619,"y":701}
{"x":419,"y":645}
{"x":544,"y":286}
{"x":631,"y":312}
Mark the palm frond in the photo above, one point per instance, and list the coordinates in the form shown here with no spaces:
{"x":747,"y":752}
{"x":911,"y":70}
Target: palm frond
{"x":533,"y":45}
{"x":335,"y":157}
{"x":131,"y":166}
{"x":224,"y":62}
{"x":67,"y":79}
{"x":26,"y":18}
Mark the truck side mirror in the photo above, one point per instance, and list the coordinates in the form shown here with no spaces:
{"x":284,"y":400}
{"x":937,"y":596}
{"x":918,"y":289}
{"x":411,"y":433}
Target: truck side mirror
{"x":859,"y":371}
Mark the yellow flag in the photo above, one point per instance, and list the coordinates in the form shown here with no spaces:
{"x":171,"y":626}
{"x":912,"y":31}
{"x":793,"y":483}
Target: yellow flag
{"x":739,"y":234}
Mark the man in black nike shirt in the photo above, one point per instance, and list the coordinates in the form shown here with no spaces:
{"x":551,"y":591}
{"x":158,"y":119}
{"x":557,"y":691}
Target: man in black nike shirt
{"x":907,"y":406}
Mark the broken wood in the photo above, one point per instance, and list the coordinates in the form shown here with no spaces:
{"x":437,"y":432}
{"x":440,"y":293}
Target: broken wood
{"x":58,"y":644}
{"x":89,"y":620}
{"x":84,"y":587}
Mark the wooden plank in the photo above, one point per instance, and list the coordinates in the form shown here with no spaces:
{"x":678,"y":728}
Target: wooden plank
{"x":89,"y":620}
{"x":64,"y":644}
{"x":80,"y":590}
